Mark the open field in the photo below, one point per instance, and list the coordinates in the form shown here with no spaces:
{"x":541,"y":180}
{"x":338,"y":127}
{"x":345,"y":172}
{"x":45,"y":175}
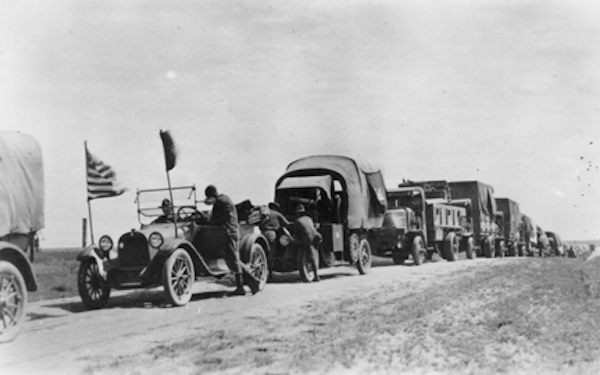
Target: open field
{"x":509,"y":315}
{"x":56,"y":274}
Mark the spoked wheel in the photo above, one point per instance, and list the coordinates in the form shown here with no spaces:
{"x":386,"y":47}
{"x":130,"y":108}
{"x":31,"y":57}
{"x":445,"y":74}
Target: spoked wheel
{"x":13,"y":301}
{"x":470,"y":248}
{"x":305,"y":267}
{"x":450,"y":249}
{"x":93,"y":289}
{"x":178,"y":278}
{"x":417,"y":250}
{"x":363,"y":264}
{"x":258,"y":265}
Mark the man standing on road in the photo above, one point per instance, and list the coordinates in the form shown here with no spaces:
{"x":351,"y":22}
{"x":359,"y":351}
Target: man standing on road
{"x":307,"y":237}
{"x":224,"y":214}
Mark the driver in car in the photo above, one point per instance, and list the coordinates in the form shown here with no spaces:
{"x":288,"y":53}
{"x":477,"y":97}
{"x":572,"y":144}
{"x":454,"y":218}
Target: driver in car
{"x":167,"y":209}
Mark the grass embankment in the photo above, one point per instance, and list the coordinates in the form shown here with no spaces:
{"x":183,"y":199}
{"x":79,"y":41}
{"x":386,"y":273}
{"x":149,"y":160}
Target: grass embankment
{"x":56,"y":274}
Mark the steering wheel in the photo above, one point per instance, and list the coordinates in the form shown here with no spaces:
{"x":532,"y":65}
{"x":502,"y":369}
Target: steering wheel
{"x":186,"y":213}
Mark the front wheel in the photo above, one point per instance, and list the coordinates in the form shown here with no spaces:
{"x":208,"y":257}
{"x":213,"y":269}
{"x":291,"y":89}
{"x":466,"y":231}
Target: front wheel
{"x":417,"y":250}
{"x":178,"y":278}
{"x":305,"y":267}
{"x":450,"y":249}
{"x":257,"y":265}
{"x":363,"y":264}
{"x":13,"y":301}
{"x":93,"y":289}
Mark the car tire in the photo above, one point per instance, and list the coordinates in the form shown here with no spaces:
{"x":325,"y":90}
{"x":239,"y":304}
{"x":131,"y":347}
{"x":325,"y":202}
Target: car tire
{"x":93,"y":289}
{"x":257,"y":264}
{"x":178,"y":278}
{"x":363,"y":263}
{"x":417,"y":250}
{"x":307,"y":274}
{"x":14,"y":293}
{"x":450,"y":247}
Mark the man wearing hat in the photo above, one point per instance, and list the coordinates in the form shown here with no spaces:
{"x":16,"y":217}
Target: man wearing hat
{"x":225,"y":214}
{"x":306,"y":237}
{"x":272,"y":222}
{"x":167,"y":209}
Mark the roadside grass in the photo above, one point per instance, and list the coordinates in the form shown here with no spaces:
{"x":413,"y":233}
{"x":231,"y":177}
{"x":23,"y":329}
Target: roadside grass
{"x":56,"y":274}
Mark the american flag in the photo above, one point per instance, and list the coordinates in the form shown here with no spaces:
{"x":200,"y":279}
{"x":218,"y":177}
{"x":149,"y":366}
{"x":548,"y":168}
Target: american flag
{"x":101,"y":178}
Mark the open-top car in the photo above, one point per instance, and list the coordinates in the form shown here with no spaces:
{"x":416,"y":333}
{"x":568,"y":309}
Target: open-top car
{"x":347,"y":201}
{"x":171,"y":251}
{"x":21,"y":216}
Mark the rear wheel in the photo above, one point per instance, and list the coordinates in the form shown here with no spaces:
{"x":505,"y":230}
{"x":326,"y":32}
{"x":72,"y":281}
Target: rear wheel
{"x":363,"y":263}
{"x":178,"y":278}
{"x":450,"y":249}
{"x":13,"y":301}
{"x":305,"y":267}
{"x":93,"y":289}
{"x":418,"y":250}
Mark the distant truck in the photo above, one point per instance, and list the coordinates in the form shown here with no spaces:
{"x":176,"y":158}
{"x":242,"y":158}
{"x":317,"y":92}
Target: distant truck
{"x":420,"y":221}
{"x":479,"y":200}
{"x":511,"y":220}
{"x":529,"y":236}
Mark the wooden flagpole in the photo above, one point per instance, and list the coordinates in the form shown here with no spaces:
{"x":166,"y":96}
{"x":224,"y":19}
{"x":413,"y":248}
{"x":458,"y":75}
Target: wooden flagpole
{"x":87,"y":193}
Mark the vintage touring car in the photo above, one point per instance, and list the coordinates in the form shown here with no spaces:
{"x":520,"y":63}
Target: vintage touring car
{"x":346,"y":200}
{"x":21,"y":216}
{"x":172,"y":253}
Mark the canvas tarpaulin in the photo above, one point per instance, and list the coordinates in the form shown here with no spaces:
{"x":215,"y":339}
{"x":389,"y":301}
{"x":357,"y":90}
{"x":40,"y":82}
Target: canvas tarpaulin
{"x":21,"y":184}
{"x":323,"y":182}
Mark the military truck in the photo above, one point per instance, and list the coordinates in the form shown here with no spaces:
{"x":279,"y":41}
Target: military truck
{"x":510,"y":225}
{"x":478,"y":198}
{"x":529,"y":236}
{"x":420,"y":221}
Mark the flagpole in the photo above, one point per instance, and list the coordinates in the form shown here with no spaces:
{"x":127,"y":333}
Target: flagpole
{"x":87,"y":192}
{"x":172,"y":203}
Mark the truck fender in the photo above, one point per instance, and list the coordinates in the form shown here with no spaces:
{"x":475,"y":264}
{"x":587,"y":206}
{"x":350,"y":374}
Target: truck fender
{"x":90,"y":252}
{"x":16,"y":256}
{"x":247,"y":242}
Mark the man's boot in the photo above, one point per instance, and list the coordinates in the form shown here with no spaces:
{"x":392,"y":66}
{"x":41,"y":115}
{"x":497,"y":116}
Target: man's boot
{"x":239,"y":290}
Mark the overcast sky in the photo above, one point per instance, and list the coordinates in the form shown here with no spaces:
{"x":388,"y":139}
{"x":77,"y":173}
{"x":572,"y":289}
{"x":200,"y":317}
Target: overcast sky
{"x":506,"y":92}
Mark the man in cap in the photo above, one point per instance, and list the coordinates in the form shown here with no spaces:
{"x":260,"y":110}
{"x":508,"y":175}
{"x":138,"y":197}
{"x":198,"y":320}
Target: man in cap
{"x":225,"y":214}
{"x":167,"y":209}
{"x":307,"y":237}
{"x":272,"y":222}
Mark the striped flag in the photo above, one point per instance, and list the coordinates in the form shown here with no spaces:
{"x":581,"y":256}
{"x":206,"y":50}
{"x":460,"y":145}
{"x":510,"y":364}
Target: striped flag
{"x":101,"y":178}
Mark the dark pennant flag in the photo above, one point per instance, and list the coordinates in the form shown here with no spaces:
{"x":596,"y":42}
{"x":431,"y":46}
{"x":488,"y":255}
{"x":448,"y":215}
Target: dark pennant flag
{"x":101,"y":178}
{"x":170,"y":150}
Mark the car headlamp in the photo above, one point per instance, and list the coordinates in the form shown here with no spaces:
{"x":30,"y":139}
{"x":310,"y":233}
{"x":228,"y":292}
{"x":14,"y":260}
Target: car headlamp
{"x":284,"y":240}
{"x":105,"y":243}
{"x":155,"y":240}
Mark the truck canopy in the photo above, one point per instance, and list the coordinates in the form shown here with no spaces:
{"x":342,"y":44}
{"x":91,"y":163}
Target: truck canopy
{"x":483,"y":205}
{"x":362,"y":184}
{"x":22,"y":184}
{"x":512,"y":216}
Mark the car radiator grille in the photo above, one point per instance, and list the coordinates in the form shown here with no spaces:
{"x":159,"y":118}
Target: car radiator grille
{"x":133,"y":250}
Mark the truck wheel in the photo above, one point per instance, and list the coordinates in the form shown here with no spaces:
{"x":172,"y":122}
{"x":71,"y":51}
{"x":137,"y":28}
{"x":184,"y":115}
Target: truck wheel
{"x":450,"y":249}
{"x":363,"y":264}
{"x":417,"y":250}
{"x":488,"y":248}
{"x":470,"y":249}
{"x":258,"y":265}
{"x":13,"y":295}
{"x":307,"y":273}
{"x":93,"y":289}
{"x":178,"y":278}
{"x":500,"y":249}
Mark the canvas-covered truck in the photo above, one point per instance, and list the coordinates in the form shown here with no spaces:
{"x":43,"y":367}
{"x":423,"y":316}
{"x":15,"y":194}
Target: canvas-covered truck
{"x":510,"y":225}
{"x":420,"y":221}
{"x":529,"y":236}
{"x":347,"y":201}
{"x":481,"y":209}
{"x":21,"y":216}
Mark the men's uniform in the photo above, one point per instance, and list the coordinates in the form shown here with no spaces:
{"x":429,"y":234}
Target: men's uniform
{"x":273,"y":222}
{"x":307,"y":237}
{"x":225,"y":214}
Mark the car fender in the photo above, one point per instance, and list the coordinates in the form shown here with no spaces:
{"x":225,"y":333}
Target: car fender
{"x":90,"y":252}
{"x":152,"y":271}
{"x":247,"y":242}
{"x":13,"y":254}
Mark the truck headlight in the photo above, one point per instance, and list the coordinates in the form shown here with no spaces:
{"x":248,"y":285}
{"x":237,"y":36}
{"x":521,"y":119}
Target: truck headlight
{"x":105,"y":243}
{"x":155,"y":240}
{"x":284,"y":240}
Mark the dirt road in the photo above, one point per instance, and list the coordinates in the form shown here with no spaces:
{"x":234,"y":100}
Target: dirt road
{"x":339,"y":324}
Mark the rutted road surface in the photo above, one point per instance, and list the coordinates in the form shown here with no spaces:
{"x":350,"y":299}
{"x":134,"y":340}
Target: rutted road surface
{"x":274,"y":331}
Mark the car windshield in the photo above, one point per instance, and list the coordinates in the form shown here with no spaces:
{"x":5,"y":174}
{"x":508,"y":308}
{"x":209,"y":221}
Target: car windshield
{"x":150,"y":201}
